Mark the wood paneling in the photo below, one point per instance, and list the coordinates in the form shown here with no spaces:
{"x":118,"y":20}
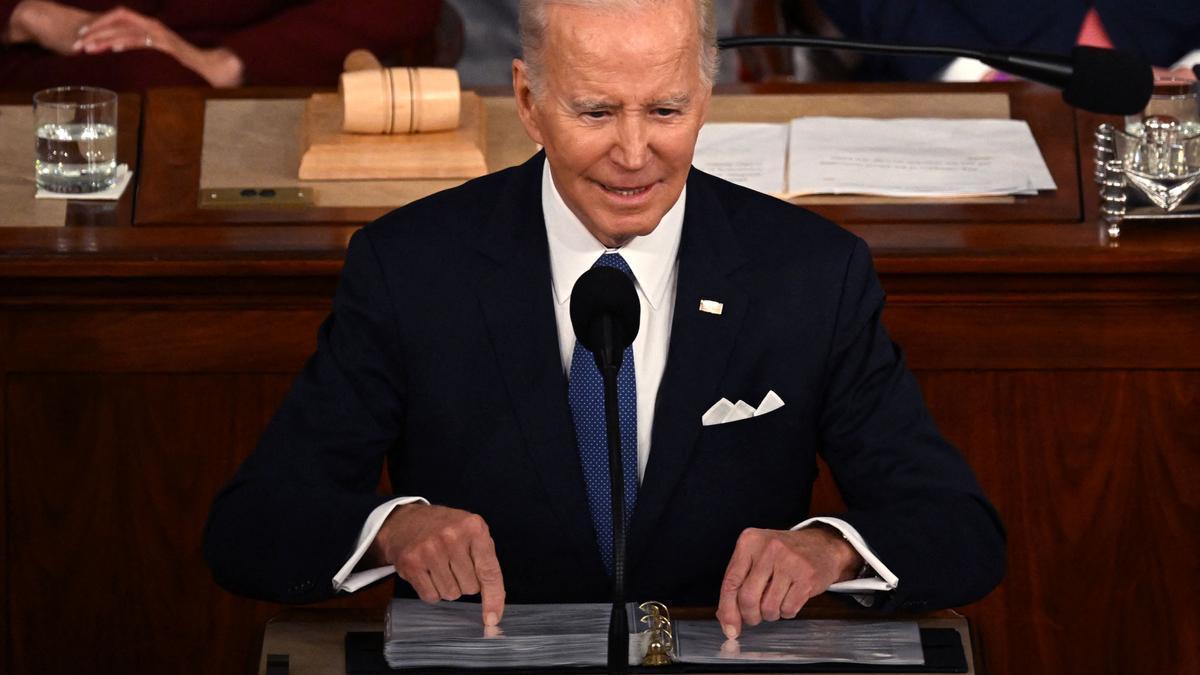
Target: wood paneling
{"x":122,"y":422}
{"x":5,"y":548}
{"x":118,"y":472}
{"x":159,"y":341}
{"x":1095,"y":475}
{"x":1047,"y":331}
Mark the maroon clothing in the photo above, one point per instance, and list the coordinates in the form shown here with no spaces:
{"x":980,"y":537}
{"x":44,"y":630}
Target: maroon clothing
{"x":280,"y":42}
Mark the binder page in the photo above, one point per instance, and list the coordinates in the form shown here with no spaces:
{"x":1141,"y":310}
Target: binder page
{"x":420,"y":635}
{"x":892,"y":643}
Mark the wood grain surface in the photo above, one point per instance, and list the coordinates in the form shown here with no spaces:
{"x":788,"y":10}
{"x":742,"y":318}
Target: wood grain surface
{"x":1095,"y":475}
{"x":108,"y":574}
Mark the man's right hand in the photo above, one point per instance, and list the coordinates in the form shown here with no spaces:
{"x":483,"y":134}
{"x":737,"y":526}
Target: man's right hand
{"x":444,"y":554}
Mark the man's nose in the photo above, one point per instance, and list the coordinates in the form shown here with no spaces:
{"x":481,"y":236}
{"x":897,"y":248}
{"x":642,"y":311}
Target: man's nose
{"x":632,"y":148}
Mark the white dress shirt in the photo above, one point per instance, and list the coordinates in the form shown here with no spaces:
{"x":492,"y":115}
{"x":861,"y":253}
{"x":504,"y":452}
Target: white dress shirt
{"x":653,"y":259}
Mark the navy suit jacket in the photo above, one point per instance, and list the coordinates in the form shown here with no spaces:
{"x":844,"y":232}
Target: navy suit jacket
{"x":1159,"y":31}
{"x":441,"y":357}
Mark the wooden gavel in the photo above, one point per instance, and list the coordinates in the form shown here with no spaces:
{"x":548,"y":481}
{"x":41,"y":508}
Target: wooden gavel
{"x":378,"y":100}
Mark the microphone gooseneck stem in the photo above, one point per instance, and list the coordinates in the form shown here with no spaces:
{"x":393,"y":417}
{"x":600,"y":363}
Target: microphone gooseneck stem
{"x":618,"y":630}
{"x":1055,"y":71}
{"x":1100,"y":80}
{"x":815,"y":42}
{"x":1032,"y":67}
{"x":609,"y":361}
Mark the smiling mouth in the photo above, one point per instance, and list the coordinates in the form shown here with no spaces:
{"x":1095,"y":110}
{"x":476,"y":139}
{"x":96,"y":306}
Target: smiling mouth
{"x":625,"y":191}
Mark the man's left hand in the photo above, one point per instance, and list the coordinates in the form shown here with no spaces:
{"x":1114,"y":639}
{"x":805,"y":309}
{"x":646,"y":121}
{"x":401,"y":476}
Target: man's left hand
{"x":773,"y":573}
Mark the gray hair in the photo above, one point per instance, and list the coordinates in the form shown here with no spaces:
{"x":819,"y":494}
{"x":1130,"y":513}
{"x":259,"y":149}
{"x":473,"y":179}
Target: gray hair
{"x":533,"y":34}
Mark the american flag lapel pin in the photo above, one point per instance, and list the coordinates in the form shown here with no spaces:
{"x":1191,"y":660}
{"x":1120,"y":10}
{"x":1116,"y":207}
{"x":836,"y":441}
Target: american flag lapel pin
{"x":712,"y":307}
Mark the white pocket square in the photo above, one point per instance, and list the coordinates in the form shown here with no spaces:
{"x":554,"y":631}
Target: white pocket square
{"x":723,"y":411}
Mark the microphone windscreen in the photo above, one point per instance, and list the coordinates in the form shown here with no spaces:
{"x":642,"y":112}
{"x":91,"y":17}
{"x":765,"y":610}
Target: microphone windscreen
{"x":1108,"y":81}
{"x":600,"y":292}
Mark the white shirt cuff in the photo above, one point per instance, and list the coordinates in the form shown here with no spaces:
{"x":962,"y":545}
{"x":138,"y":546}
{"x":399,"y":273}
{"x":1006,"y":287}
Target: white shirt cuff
{"x":963,"y":69}
{"x":1190,"y":59}
{"x":349,"y":581}
{"x":861,"y":588}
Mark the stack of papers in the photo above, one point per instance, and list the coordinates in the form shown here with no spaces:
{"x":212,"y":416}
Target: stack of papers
{"x":876,"y":643}
{"x":418,"y":635}
{"x":887,"y":157}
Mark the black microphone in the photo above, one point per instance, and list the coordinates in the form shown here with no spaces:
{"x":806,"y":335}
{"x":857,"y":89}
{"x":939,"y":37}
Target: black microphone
{"x":1104,"y":81}
{"x":606,"y":314}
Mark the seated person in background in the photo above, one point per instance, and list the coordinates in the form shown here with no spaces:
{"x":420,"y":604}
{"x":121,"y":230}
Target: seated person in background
{"x":222,"y":43}
{"x":491,"y":40}
{"x":1165,"y":33}
{"x":449,"y":355}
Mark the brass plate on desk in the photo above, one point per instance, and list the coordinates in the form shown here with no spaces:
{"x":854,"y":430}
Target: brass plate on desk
{"x":257,"y":198}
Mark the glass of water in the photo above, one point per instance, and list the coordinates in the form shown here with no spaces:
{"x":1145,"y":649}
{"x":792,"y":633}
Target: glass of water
{"x":76,"y":144}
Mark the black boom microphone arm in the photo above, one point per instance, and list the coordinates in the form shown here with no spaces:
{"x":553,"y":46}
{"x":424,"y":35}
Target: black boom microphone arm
{"x":1099,"y":80}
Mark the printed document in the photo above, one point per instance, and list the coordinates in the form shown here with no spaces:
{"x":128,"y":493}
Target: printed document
{"x":886,"y":157}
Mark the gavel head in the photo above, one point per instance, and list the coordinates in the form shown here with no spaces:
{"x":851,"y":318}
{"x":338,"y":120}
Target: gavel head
{"x":400,"y":100}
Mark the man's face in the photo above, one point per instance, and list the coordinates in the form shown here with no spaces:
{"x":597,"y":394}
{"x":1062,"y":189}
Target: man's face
{"x":621,"y":105}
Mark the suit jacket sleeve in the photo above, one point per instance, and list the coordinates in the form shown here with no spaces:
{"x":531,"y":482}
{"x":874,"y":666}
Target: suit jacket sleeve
{"x":305,"y":44}
{"x":909,"y":492}
{"x":290,"y":517}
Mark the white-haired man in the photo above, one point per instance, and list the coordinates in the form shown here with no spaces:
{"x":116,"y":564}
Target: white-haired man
{"x":450,"y":353}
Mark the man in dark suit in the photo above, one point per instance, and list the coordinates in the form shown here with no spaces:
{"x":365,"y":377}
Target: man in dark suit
{"x":449,"y":355}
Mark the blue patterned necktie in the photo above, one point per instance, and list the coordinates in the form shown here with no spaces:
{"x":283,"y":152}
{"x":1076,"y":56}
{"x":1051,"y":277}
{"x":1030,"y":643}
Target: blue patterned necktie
{"x":586,"y":395}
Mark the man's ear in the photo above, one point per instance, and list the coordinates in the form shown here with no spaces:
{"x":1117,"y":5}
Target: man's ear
{"x":526,"y":103}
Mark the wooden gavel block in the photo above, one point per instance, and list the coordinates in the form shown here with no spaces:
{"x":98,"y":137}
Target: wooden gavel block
{"x":393,"y":123}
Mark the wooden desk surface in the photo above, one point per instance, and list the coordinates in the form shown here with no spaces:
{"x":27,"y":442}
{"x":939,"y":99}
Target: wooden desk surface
{"x":171,"y":184}
{"x":313,"y":638}
{"x":1052,"y":233}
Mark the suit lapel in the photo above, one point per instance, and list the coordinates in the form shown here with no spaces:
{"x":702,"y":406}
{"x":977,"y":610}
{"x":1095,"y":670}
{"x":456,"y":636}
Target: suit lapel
{"x":517,"y":304}
{"x":701,"y":344}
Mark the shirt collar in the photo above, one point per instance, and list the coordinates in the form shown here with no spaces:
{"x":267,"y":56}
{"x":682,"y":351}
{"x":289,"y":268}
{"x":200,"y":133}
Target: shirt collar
{"x":573,"y":250}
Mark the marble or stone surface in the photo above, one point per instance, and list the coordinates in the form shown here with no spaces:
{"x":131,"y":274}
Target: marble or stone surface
{"x":18,"y":208}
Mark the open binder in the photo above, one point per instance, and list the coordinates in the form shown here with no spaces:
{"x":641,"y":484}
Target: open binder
{"x":449,"y":637}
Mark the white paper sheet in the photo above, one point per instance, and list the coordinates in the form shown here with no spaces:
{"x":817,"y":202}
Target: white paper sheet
{"x":914,"y":157}
{"x":749,"y":154}
{"x":890,"y":643}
